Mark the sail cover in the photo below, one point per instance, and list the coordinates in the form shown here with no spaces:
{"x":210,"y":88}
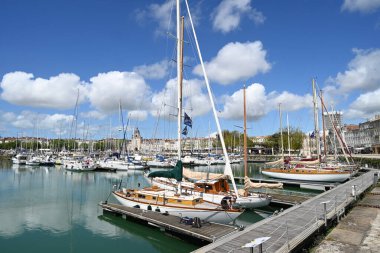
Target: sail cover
{"x":197,"y":175}
{"x":250,"y":185}
{"x":175,"y":173}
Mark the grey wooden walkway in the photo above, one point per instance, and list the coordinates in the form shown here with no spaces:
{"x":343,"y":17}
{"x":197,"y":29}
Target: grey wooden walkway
{"x":208,"y":232}
{"x":291,"y":227}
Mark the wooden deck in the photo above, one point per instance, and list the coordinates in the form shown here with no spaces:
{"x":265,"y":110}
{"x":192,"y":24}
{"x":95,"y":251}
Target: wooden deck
{"x":289,"y":229}
{"x":209,"y":232}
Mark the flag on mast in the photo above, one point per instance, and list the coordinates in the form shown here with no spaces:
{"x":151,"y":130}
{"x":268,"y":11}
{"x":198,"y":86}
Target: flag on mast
{"x":187,"y":121}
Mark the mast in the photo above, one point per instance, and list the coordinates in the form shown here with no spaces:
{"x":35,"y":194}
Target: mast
{"x":282,"y":139}
{"x":287,"y":121}
{"x":245,"y":136}
{"x":179,"y":75}
{"x":316,"y":128}
{"x":227,"y":169}
{"x":323,"y":125}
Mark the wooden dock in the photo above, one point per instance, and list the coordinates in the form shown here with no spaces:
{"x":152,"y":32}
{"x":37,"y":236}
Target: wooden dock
{"x":290,"y":229}
{"x":209,"y":232}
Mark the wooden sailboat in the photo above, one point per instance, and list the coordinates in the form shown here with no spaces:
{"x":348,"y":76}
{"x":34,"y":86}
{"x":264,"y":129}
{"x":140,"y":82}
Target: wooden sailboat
{"x":177,"y":202}
{"x":304,"y":173}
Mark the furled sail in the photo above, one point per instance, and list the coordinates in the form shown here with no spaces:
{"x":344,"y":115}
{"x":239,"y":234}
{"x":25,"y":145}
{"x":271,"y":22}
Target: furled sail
{"x":278,"y":162}
{"x":305,"y":162}
{"x":197,"y":175}
{"x":251,"y":185}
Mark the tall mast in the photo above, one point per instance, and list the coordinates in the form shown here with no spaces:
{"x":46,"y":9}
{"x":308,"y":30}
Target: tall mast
{"x":179,"y":75}
{"x":227,"y":169}
{"x":316,"y":127}
{"x":323,"y":126}
{"x":282,"y":139}
{"x":245,"y":136}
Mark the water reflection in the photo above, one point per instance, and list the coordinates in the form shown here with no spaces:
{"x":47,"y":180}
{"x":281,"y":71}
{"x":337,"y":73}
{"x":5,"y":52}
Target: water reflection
{"x":52,"y":204}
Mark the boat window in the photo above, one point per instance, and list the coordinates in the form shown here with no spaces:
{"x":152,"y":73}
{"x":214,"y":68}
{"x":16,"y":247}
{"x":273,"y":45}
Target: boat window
{"x":141,"y":196}
{"x":179,"y":200}
{"x":154,"y":198}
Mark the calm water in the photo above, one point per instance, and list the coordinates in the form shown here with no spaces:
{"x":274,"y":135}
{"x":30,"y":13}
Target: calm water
{"x":47,"y":209}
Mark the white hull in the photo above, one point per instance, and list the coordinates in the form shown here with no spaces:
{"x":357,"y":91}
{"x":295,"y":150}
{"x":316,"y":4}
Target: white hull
{"x":118,"y":165}
{"x":218,"y":216}
{"x":334,"y":177}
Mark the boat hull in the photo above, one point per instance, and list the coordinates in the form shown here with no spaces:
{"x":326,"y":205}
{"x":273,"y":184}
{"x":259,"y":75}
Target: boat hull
{"x":320,"y":177}
{"x":249,"y":202}
{"x":210,"y":215}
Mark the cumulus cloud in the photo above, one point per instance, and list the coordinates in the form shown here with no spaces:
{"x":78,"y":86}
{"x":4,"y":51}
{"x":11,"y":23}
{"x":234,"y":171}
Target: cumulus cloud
{"x":195,"y":100}
{"x":228,"y":14}
{"x":364,"y":6}
{"x":107,"y":90}
{"x":236,"y":61}
{"x":259,"y":103}
{"x":365,"y":106}
{"x":159,"y":13}
{"x":363,"y":72}
{"x":139,"y":115}
{"x":59,"y":92}
{"x":32,"y":120}
{"x":154,"y":71}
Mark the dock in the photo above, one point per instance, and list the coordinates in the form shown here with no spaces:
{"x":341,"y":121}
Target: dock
{"x":291,"y":229}
{"x":208,"y":232}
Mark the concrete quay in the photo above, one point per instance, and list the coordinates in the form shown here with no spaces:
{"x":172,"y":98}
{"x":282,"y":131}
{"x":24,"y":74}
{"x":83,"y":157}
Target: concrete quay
{"x":359,"y":231}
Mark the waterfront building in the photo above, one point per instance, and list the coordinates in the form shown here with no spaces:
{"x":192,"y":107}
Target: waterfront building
{"x":364,"y":137}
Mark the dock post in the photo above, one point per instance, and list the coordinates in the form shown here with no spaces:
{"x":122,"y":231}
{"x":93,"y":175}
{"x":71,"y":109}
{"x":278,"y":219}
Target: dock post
{"x":375,"y":178}
{"x":354,"y":191}
{"x":325,"y":211}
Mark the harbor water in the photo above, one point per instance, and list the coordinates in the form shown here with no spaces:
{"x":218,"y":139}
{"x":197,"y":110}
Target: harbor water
{"x":48,"y":209}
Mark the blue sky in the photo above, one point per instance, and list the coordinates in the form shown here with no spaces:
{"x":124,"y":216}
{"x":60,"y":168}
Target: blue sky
{"x":115,"y":51}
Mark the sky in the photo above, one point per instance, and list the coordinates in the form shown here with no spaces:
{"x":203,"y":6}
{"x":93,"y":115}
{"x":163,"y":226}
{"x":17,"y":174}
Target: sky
{"x":63,"y":60}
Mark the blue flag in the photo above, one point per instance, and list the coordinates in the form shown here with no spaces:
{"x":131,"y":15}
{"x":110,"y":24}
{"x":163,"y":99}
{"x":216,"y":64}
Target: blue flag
{"x":184,"y":131}
{"x":312,"y":135}
{"x":187,"y":121}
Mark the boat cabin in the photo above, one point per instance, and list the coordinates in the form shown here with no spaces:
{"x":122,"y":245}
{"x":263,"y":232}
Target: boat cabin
{"x":212,"y":186}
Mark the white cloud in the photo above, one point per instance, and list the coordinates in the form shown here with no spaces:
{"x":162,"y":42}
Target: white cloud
{"x":259,"y":103}
{"x":195,"y":101}
{"x":108,"y":89}
{"x":154,"y":71}
{"x":38,"y":122}
{"x":59,"y":92}
{"x":160,"y":13}
{"x":365,"y":106}
{"x":228,"y":14}
{"x":289,"y":101}
{"x":93,"y":114}
{"x":138,"y":115}
{"x":363,"y":72}
{"x":364,"y":6}
{"x":235,"y":62}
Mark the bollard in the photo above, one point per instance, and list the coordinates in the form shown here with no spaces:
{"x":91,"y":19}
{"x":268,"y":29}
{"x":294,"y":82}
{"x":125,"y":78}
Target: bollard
{"x":354,"y":191}
{"x":325,"y":211}
{"x":375,"y":178}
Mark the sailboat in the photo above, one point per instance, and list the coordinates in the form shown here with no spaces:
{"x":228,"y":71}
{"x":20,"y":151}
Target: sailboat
{"x":214,"y":187}
{"x":176,"y":202}
{"x":304,"y":173}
